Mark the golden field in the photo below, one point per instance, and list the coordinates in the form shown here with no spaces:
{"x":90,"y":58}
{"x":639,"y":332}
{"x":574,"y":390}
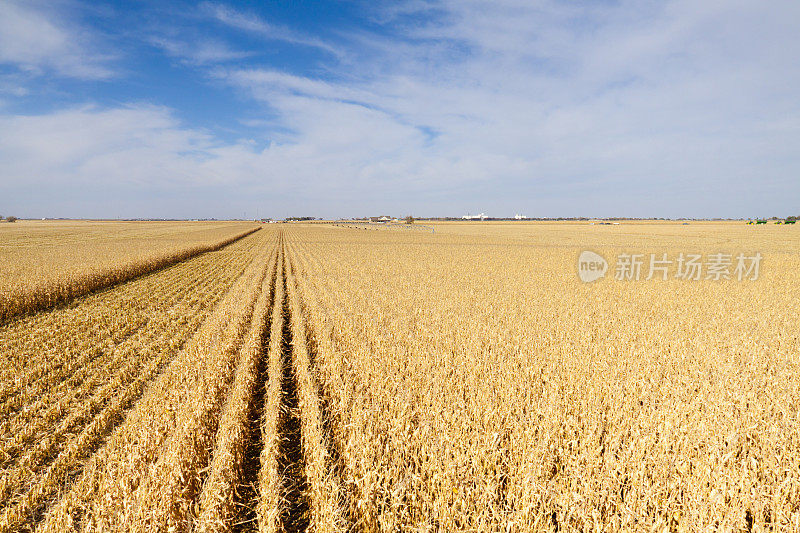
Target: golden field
{"x":44,"y":263}
{"x":325,"y":378}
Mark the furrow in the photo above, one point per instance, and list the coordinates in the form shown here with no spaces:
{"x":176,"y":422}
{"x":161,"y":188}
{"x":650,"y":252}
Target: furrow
{"x":168,"y":498}
{"x":229,"y":487}
{"x":270,"y":473}
{"x":326,"y":493}
{"x":107,"y":496}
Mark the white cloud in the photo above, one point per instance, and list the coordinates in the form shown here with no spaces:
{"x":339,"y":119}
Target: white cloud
{"x":90,"y":146}
{"x":659,"y":103}
{"x":33,"y":39}
{"x":641,"y":109}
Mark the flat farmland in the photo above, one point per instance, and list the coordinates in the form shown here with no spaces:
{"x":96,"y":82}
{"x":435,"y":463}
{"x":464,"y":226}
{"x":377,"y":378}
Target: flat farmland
{"x":43,"y":263}
{"x":312,"y":377}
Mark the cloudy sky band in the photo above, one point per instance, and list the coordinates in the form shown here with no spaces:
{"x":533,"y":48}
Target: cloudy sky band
{"x":666,"y":109}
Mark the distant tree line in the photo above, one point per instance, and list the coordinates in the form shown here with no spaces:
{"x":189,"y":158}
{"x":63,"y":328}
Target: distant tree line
{"x":787,"y":219}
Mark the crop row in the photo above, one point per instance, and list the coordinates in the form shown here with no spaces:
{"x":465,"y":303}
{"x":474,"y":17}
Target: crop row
{"x":70,"y":424}
{"x":150,"y":472}
{"x":52,"y":373}
{"x":54,"y":383}
{"x":234,"y":434}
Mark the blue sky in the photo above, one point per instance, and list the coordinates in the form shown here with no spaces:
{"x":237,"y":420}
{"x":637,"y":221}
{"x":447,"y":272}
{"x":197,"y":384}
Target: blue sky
{"x":669,"y":108}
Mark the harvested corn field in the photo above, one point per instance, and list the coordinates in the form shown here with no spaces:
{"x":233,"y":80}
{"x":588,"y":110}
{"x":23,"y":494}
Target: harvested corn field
{"x":317,"y":378}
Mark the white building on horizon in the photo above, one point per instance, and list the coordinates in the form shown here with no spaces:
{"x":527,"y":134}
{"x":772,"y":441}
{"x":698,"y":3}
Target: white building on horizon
{"x":475,"y":217}
{"x":520,"y":217}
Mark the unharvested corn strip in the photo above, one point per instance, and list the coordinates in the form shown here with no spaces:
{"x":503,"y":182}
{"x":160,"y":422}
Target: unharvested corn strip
{"x":45,"y":297}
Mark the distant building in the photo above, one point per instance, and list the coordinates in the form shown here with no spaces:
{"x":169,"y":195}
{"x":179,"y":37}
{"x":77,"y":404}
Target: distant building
{"x":381,"y":219}
{"x":475,"y":217}
{"x":520,"y":217}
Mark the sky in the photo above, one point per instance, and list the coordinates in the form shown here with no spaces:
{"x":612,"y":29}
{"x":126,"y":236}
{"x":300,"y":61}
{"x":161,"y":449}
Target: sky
{"x":597,"y":108}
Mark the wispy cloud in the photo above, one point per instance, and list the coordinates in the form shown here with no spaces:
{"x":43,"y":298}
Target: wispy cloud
{"x":34,"y":39}
{"x":254,"y":24}
{"x":264,"y":84}
{"x":199,"y":53}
